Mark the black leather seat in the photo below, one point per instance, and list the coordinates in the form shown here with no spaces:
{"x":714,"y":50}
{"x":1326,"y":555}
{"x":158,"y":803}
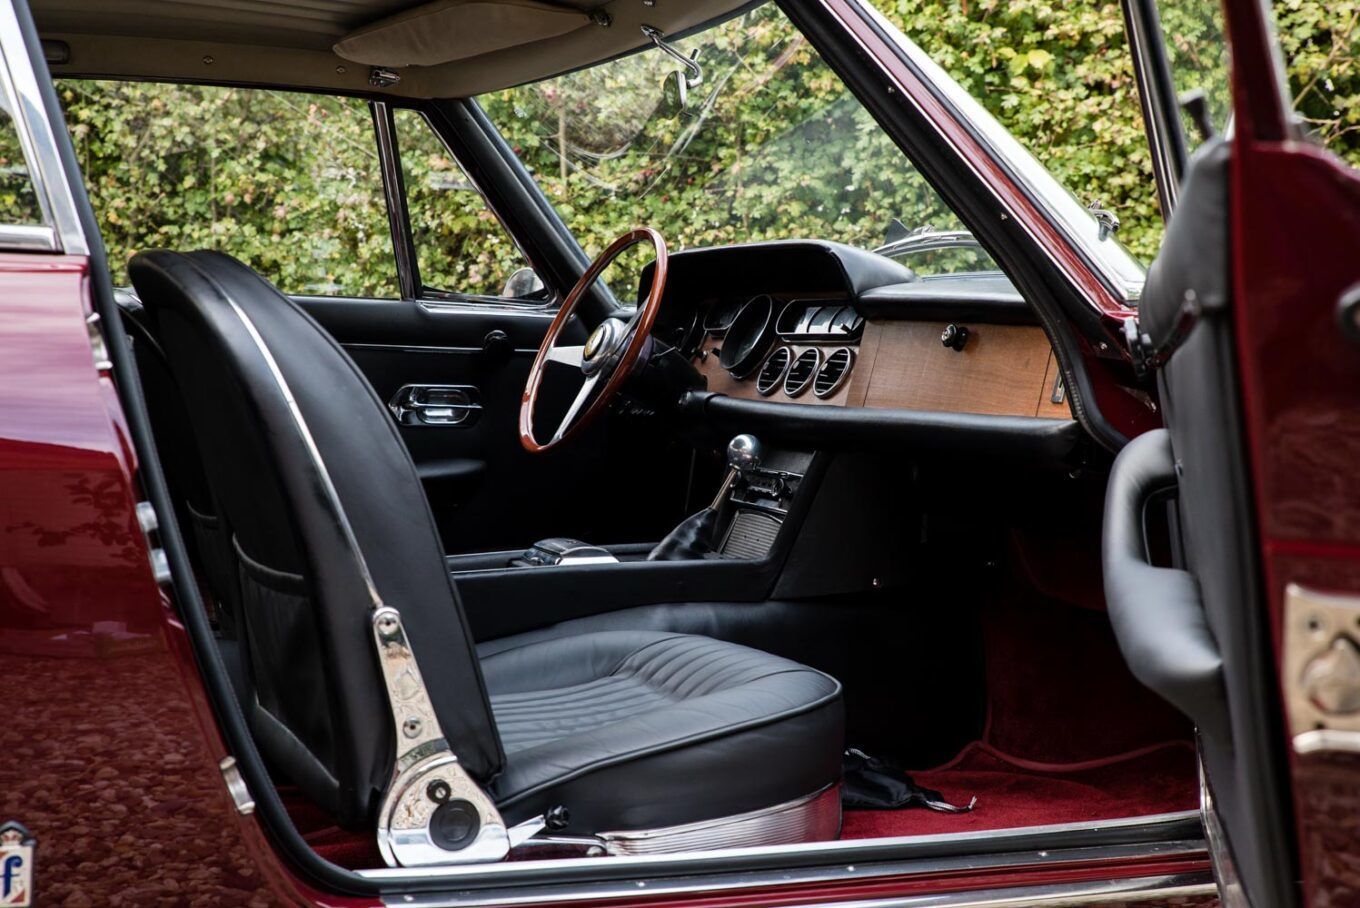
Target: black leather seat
{"x":629,"y":730}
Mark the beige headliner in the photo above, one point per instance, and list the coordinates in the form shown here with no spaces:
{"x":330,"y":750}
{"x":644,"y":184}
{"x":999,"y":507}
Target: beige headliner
{"x":288,"y":42}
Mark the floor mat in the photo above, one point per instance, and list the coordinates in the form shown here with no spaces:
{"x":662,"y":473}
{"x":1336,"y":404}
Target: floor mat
{"x":1016,"y":793}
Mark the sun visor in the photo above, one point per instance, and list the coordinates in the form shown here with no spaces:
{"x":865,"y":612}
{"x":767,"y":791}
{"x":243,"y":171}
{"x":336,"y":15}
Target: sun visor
{"x":446,"y":30}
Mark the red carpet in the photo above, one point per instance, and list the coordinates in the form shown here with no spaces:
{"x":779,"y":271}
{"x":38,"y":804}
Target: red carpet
{"x":1014,"y":793}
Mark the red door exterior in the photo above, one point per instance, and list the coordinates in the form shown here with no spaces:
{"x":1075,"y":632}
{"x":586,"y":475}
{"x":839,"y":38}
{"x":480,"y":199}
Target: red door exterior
{"x":1296,"y":252}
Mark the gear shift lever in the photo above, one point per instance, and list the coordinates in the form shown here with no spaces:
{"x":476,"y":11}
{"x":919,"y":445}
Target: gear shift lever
{"x":694,"y":537}
{"x":744,"y":453}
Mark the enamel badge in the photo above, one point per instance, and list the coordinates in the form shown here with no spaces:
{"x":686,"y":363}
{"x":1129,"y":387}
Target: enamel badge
{"x":16,"y":865}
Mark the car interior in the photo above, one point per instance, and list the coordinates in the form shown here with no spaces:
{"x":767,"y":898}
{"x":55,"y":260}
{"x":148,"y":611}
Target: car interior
{"x":711,"y":555}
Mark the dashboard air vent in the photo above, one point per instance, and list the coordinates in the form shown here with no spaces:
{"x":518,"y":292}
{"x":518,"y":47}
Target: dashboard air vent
{"x":802,"y":371}
{"x":772,"y":371}
{"x":833,"y":372}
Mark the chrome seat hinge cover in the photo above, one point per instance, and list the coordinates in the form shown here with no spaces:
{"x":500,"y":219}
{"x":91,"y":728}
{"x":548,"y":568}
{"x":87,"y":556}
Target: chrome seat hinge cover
{"x":433,"y":811}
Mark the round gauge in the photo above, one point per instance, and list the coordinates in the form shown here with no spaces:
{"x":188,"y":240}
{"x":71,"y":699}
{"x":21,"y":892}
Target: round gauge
{"x":748,"y":337}
{"x":720,"y":315}
{"x":683,"y":331}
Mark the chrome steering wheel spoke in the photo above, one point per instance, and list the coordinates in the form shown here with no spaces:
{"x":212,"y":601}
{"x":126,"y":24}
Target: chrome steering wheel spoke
{"x":582,"y":398}
{"x":567,"y":356}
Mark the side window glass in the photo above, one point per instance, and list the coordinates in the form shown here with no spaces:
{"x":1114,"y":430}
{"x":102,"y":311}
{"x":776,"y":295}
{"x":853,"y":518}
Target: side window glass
{"x":460,"y":245}
{"x":1197,"y":53}
{"x":18,"y":201}
{"x":289,"y":183}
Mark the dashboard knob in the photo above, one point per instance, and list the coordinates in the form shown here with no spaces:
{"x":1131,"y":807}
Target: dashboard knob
{"x":954,"y":337}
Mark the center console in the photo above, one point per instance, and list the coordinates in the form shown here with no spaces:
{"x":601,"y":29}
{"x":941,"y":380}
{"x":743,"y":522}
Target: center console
{"x":754,"y":501}
{"x":732,"y":551}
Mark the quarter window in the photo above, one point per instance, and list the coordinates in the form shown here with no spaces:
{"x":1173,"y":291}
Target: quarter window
{"x":18,"y":200}
{"x":460,"y":246}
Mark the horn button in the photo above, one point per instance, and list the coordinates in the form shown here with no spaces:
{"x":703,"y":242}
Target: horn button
{"x":603,"y":345}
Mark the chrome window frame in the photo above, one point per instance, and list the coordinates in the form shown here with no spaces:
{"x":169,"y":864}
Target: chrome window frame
{"x":61,"y":230}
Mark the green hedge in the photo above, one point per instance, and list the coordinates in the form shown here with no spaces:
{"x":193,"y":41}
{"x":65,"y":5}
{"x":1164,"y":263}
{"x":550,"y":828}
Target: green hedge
{"x":290,"y":183}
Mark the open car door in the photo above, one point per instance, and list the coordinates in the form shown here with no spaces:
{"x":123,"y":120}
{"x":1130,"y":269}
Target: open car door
{"x":1250,"y":623}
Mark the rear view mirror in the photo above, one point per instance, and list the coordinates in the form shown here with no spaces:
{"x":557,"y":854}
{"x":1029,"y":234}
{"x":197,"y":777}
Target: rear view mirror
{"x":675,"y":89}
{"x":674,"y":95}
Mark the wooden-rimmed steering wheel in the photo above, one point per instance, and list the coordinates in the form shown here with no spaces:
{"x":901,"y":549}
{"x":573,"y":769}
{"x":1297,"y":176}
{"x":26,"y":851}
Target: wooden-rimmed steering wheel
{"x":608,"y":356}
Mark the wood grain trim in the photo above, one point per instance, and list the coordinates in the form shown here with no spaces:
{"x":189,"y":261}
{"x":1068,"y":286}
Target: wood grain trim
{"x":1003,"y":370}
{"x":998,"y":371}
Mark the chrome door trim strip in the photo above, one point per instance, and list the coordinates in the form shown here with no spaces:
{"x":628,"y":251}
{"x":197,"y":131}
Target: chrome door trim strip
{"x":29,"y":238}
{"x":680,"y":887}
{"x":413,"y":348}
{"x":37,"y":139}
{"x":832,"y":857}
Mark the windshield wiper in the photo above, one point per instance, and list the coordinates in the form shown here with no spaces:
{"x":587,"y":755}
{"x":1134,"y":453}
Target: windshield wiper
{"x":925,"y":239}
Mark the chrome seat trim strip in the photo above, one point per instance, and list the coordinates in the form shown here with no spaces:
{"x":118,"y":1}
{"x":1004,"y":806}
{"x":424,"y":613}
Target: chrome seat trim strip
{"x":812,"y":818}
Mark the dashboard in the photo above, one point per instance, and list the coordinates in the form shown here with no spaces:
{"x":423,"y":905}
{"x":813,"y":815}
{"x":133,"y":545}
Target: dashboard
{"x":824,"y":324}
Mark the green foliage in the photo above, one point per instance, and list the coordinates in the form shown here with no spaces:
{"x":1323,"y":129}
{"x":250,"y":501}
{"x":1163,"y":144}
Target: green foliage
{"x":460,"y":246}
{"x":776,"y":146}
{"x":288,"y":183}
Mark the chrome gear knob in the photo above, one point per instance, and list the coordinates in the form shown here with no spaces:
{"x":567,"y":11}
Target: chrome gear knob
{"x":745,"y":452}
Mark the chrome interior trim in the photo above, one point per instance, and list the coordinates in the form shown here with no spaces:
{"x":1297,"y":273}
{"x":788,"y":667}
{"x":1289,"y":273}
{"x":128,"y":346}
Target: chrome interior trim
{"x":831,"y":858}
{"x":39,"y":143}
{"x":454,"y":306}
{"x":409,"y":348}
{"x":812,"y":818}
{"x":680,"y":886}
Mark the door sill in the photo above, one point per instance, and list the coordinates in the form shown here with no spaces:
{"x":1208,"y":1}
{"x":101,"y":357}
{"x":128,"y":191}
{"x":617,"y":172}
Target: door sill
{"x":1091,"y":852}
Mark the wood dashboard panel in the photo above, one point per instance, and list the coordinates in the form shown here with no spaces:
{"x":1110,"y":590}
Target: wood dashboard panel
{"x":1003,"y":370}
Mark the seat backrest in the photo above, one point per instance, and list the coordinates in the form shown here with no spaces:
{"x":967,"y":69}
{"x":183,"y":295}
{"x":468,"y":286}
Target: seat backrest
{"x":199,"y":514}
{"x":329,"y":519}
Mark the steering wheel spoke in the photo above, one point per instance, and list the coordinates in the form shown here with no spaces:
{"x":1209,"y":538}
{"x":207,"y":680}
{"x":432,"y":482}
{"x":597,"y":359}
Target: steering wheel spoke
{"x":567,"y":356}
{"x":606,"y":359}
{"x":577,"y":405}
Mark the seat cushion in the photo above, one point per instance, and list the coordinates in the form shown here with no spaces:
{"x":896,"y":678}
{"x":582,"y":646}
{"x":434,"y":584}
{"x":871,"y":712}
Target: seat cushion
{"x":645,"y":729}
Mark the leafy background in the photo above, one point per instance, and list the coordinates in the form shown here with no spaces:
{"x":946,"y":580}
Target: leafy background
{"x":774,"y":145}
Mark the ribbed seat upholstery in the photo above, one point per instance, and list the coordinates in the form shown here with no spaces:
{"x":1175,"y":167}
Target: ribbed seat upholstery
{"x":648,"y":728}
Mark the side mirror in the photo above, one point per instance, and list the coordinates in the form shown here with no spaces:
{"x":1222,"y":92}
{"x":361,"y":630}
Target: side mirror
{"x":523,"y":284}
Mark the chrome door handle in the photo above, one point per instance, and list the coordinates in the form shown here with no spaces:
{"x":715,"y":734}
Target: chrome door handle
{"x":435,"y":405}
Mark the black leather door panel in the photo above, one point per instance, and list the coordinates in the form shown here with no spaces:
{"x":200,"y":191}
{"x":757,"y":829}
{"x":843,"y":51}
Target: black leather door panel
{"x":485,"y":490}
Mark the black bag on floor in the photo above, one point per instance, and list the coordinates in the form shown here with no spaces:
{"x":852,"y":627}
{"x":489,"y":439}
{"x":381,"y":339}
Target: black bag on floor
{"x":871,"y":783}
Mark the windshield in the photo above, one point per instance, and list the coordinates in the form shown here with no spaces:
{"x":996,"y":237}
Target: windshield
{"x":771,"y":145}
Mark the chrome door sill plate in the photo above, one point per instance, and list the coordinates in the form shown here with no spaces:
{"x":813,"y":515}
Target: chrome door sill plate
{"x":822,"y":861}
